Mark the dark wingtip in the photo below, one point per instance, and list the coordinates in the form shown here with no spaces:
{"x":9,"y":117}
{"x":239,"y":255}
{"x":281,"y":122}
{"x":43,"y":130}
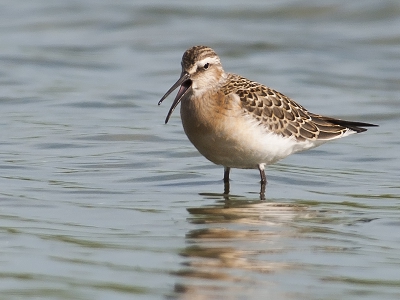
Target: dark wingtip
{"x":356,"y":126}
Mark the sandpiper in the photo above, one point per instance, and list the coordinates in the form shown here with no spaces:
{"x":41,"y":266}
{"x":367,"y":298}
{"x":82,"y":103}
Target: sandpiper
{"x":239,"y":123}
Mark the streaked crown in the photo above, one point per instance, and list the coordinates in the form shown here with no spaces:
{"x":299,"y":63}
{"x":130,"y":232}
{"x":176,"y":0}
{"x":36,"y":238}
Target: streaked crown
{"x":196,"y":54}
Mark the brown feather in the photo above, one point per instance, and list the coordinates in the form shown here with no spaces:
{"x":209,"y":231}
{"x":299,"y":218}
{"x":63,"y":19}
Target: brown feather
{"x":281,"y":115}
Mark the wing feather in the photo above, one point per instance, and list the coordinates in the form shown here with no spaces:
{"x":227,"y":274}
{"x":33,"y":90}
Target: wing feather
{"x":281,"y":115}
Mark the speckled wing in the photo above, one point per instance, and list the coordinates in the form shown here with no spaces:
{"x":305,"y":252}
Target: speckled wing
{"x":283,"y":116}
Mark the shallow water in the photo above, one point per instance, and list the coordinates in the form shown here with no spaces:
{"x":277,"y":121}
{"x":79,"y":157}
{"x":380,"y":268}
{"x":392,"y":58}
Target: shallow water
{"x":100,"y":200}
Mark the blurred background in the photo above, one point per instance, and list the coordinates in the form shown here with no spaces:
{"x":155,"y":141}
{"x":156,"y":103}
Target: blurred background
{"x":100,"y":200}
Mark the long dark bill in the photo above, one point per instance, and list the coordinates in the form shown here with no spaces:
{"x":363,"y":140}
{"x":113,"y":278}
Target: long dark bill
{"x":185,"y":84}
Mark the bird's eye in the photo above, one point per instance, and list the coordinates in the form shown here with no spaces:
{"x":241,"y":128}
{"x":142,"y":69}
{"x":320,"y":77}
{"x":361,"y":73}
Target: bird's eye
{"x":206,"y":66}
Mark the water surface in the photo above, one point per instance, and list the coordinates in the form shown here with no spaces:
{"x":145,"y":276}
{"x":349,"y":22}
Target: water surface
{"x":100,"y":200}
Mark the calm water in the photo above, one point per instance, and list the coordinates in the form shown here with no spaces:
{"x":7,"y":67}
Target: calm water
{"x":100,"y":200}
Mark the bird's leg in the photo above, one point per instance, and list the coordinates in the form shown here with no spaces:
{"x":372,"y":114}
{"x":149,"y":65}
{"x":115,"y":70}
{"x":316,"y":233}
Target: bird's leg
{"x":261,"y":168}
{"x":226,"y":188}
{"x":226,"y":180}
{"x":226,"y":174}
{"x":262,"y":191}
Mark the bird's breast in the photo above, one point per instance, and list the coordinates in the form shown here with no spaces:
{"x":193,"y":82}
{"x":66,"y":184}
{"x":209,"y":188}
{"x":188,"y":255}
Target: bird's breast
{"x":208,"y":122}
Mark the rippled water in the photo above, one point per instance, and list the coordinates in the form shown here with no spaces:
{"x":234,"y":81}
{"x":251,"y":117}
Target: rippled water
{"x":100,"y":200}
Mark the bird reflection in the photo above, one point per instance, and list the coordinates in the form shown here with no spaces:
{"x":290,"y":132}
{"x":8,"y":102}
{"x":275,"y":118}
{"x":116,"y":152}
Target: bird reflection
{"x":234,"y":243}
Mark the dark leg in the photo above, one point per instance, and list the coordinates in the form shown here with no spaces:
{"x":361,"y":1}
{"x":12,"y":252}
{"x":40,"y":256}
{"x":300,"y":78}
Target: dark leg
{"x":261,"y":168}
{"x":262,"y":191}
{"x":226,"y":174}
{"x":226,"y":180}
{"x":226,"y":188}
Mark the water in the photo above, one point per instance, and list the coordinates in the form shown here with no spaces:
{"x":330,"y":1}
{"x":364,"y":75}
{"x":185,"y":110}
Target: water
{"x":101,"y":200}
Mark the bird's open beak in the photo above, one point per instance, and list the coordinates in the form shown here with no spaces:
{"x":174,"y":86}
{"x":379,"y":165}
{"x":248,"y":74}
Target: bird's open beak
{"x":185,"y":84}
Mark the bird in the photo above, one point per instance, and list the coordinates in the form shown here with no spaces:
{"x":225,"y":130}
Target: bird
{"x":239,"y":123}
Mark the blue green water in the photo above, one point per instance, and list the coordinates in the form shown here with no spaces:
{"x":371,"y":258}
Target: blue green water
{"x":100,"y":200}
